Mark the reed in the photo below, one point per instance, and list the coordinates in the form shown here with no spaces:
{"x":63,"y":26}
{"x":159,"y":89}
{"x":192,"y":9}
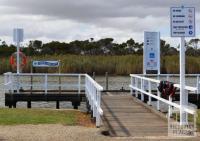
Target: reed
{"x":115,"y":65}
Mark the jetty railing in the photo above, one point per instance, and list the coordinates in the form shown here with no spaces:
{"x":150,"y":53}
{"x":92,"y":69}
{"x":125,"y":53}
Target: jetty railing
{"x":43,"y":81}
{"x":137,"y":84}
{"x":170,"y":77}
{"x":93,"y":92}
{"x":16,"y":83}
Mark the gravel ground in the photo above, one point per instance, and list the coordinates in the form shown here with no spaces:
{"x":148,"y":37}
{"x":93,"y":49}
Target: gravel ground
{"x":57,"y":132}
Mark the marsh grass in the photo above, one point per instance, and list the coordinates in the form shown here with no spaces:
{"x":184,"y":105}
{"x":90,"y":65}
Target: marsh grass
{"x":115,"y":65}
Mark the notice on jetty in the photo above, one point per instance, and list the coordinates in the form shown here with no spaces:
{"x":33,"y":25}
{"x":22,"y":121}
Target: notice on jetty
{"x":182,"y":21}
{"x":151,"y":52}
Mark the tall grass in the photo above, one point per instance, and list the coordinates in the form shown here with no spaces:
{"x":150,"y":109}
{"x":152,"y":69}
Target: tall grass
{"x":116,"y":65}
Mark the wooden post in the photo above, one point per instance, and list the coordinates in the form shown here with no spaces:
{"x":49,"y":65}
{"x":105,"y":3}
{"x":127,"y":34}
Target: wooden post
{"x":14,"y":104}
{"x":57,"y":105}
{"x":93,"y":75}
{"x":31,"y":76}
{"x":59,"y":84}
{"x":106,"y":81}
{"x":28,"y":104}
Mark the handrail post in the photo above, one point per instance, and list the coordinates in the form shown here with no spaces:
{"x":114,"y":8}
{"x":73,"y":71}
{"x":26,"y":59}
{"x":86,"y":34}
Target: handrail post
{"x":158,"y":94}
{"x":131,"y":85}
{"x":197,"y":85}
{"x":136,"y":84}
{"x":79,"y":84}
{"x":149,"y":84}
{"x":18,"y":83}
{"x":170,"y":108}
{"x":46,"y":83}
{"x":142,"y":88}
{"x":98,"y":119}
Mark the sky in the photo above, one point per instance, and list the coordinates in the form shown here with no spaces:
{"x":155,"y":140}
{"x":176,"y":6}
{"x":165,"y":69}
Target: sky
{"x":67,"y":20}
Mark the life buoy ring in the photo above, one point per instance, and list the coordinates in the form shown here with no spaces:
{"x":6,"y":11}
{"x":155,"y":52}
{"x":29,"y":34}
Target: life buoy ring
{"x":22,"y":60}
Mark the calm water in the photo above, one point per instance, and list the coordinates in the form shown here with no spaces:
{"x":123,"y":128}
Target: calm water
{"x":115,"y":83}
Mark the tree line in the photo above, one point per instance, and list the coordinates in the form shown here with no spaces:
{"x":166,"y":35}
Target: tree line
{"x":105,"y":46}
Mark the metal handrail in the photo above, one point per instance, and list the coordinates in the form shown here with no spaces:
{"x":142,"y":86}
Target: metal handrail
{"x":168,"y":102}
{"x":93,"y":92}
{"x":158,"y":81}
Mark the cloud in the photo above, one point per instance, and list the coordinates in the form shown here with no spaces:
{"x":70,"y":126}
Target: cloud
{"x":67,"y":20}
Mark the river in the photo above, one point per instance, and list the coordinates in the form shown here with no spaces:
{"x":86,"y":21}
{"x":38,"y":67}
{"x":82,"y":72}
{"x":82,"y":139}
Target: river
{"x":115,"y":83}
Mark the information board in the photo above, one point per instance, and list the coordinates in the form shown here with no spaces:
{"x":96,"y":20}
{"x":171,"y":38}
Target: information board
{"x":18,"y":35}
{"x":151,"y":60}
{"x":45,"y":63}
{"x":182,"y":21}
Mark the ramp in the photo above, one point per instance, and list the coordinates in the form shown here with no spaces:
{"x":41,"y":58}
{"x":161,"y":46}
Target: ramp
{"x":125,"y":116}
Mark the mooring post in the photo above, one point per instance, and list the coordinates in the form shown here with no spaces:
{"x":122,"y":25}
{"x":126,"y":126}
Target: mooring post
{"x":76,"y":104}
{"x":57,"y":105}
{"x":28,"y":104}
{"x":93,"y":75}
{"x":14,"y":104}
{"x":106,"y":81}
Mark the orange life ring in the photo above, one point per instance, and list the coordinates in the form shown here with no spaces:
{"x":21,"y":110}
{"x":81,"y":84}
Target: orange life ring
{"x":13,"y":60}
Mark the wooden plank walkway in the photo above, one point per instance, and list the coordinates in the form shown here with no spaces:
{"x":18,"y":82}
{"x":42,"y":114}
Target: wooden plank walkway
{"x":125,"y":116}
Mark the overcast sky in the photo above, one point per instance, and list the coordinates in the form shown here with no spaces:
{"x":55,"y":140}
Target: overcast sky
{"x":67,"y":20}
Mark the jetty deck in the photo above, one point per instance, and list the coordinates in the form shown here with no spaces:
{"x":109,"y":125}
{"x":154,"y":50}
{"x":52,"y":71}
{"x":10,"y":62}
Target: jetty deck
{"x":123,"y":113}
{"x":126,"y":116}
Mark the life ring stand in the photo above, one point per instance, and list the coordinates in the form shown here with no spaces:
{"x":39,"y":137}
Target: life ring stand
{"x":13,"y":60}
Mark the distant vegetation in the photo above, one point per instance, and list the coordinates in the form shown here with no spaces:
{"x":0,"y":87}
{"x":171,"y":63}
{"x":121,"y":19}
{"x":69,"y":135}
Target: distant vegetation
{"x":115,"y":65}
{"x":101,"y":56}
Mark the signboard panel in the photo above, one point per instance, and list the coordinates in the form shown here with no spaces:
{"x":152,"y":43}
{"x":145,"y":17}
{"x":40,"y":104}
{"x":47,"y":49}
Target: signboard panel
{"x":182,"y":21}
{"x":18,"y":35}
{"x":46,"y":63}
{"x":151,"y":62}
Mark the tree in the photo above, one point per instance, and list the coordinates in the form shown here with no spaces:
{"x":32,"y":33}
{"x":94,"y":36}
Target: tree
{"x":194,"y":43}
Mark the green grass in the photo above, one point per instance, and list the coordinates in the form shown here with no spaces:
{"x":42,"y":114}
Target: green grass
{"x":38,"y":116}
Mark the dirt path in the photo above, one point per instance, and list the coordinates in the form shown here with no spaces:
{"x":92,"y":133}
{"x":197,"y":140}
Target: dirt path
{"x":56,"y":132}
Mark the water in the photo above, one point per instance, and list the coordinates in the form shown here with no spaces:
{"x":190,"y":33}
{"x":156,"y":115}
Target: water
{"x":115,"y":83}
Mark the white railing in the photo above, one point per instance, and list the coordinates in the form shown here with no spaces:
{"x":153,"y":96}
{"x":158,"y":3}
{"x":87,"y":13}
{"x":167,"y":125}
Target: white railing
{"x":137,"y":84}
{"x":170,"y":77}
{"x":93,"y":92}
{"x":8,"y":82}
{"x":45,"y":82}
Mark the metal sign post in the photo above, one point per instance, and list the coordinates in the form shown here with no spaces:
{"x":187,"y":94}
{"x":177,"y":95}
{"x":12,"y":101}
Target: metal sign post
{"x":182,"y":25}
{"x":18,"y":35}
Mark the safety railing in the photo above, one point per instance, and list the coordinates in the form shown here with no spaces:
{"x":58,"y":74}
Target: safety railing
{"x":93,"y":92}
{"x":137,"y":85}
{"x":170,"y":77}
{"x":43,"y":82}
{"x":8,"y":82}
{"x":13,"y":83}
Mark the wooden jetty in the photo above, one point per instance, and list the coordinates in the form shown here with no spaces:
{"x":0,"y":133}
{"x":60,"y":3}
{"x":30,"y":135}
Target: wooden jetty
{"x":126,"y":116}
{"x":124,"y":113}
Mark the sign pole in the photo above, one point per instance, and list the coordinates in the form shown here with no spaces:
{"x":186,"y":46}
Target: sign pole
{"x":18,"y":66}
{"x":183,"y":95}
{"x":182,"y":25}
